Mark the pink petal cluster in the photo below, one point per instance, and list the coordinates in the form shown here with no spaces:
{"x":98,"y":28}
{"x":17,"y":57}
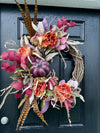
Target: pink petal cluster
{"x":7,"y":67}
{"x":12,"y":56}
{"x":63,"y":22}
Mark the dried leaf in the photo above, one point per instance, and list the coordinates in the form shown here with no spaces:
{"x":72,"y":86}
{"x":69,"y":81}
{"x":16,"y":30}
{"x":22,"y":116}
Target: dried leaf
{"x":71,"y":42}
{"x":31,"y":98}
{"x":40,"y":28}
{"x":50,"y":56}
{"x":38,"y":55}
{"x":26,"y":40}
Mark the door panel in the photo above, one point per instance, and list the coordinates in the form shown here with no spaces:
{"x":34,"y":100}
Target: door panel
{"x":85,"y":115}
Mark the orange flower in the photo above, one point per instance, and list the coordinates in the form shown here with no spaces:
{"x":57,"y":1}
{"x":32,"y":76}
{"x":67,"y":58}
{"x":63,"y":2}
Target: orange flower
{"x":49,"y":40}
{"x":63,"y":92}
{"x":40,"y":89}
{"x":24,"y":51}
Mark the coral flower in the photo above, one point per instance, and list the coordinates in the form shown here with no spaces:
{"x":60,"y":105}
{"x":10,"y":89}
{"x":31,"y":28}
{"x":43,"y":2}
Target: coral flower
{"x":49,"y":40}
{"x":24,"y":51}
{"x":40,"y":89}
{"x":63,"y":92}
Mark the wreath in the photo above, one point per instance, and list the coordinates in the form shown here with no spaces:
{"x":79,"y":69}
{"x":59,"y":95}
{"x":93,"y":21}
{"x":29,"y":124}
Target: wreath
{"x":30,"y":65}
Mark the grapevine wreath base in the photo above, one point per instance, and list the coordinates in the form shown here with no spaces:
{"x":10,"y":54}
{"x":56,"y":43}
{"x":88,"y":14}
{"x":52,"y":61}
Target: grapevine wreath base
{"x":30,"y":67}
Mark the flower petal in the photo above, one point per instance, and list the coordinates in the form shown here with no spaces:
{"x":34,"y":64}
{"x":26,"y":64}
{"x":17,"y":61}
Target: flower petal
{"x":17,"y":58}
{"x":4,"y":65}
{"x":17,"y":85}
{"x":63,"y":40}
{"x":11,"y":68}
{"x":59,"y":23}
{"x":24,"y":62}
{"x":72,"y":24}
{"x":4,"y":55}
{"x":45,"y":108}
{"x":11,"y":55}
{"x":66,"y":28}
{"x":18,"y":95}
{"x":62,"y":47}
{"x":62,"y":81}
{"x":29,"y":92}
{"x":64,"y":21}
{"x":52,"y":82}
{"x":45,"y":24}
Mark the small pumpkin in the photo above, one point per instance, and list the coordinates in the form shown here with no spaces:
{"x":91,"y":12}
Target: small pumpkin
{"x":39,"y":68}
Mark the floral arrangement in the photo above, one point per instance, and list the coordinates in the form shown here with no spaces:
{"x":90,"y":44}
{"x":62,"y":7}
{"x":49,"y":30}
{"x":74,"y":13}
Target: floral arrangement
{"x":30,"y":68}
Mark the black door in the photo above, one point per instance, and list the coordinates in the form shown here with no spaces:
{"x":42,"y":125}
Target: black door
{"x":85,"y":116}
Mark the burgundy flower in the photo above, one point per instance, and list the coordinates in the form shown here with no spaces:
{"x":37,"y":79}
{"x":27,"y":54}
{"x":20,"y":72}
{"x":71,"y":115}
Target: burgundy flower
{"x":4,"y":65}
{"x":4,"y":55}
{"x":18,"y":85}
{"x":11,"y":68}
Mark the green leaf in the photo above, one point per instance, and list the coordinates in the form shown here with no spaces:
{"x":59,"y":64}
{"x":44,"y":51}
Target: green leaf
{"x":42,"y":104}
{"x":50,"y":93}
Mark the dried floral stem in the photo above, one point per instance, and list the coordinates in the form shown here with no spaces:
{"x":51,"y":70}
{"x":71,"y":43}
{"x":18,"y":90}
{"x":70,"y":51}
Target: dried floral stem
{"x":62,"y":58}
{"x":3,"y":101}
{"x":12,"y":43}
{"x":68,"y":114}
{"x":14,"y":92}
{"x":78,"y":72}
